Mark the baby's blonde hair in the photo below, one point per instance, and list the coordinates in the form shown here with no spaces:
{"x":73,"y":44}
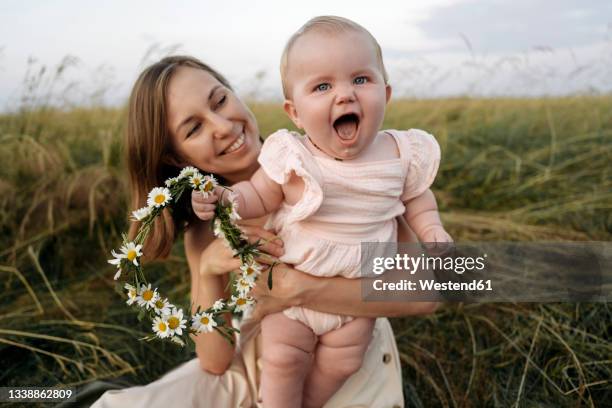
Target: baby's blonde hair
{"x":328,"y":24}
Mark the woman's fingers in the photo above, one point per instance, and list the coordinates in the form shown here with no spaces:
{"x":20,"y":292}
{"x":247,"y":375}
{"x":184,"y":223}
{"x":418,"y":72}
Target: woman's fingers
{"x":218,"y":259}
{"x":262,"y":233}
{"x":266,"y":259}
{"x":261,"y":286}
{"x":269,"y":243}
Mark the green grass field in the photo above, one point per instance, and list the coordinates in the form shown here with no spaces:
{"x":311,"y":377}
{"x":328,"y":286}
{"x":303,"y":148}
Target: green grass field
{"x":512,"y":169}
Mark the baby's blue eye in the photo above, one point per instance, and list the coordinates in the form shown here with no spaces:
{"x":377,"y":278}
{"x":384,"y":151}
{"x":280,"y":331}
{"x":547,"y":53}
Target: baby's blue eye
{"x":322,"y":87}
{"x":360,"y":80}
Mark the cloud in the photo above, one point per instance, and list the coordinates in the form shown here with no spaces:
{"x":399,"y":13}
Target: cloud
{"x":514,"y":26}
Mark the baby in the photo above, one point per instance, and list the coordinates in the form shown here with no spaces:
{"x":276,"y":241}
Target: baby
{"x":341,"y":183}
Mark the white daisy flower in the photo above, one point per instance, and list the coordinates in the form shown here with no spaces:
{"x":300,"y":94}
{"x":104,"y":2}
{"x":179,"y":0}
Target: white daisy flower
{"x":208,"y":185}
{"x":241,"y":303}
{"x":160,"y":327}
{"x":251,"y":271}
{"x":132,"y":294}
{"x":117,"y":274}
{"x":244,"y":286}
{"x":203,"y":322}
{"x":116,"y":258}
{"x":147,"y":296}
{"x":188,"y":172}
{"x":129,"y":251}
{"x":196,"y":181}
{"x":176,"y":323}
{"x":162,"y":306}
{"x":132,"y":252}
{"x":159,"y":197}
{"x":141,"y":213}
{"x":171,"y":181}
{"x":218,"y":305}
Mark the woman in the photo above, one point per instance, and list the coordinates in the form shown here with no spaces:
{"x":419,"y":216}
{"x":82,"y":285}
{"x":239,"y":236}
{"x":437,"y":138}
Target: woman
{"x":181,"y":113}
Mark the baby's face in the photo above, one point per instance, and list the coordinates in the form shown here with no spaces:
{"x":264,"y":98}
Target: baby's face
{"x":337,"y":91}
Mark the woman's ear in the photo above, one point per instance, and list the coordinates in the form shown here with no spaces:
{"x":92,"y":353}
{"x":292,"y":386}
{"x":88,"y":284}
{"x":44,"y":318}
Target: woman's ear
{"x":388,"y":92}
{"x":289,"y":107}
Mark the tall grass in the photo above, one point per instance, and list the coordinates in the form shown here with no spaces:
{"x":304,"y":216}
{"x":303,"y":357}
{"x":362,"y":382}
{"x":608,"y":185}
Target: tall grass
{"x":512,"y":169}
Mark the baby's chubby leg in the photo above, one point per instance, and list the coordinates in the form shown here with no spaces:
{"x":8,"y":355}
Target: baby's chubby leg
{"x":288,"y":347}
{"x":339,"y":355}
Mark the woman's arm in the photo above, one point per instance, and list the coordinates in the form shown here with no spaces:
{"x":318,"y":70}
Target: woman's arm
{"x":214,"y":352}
{"x":210,"y":261}
{"x":332,"y":295}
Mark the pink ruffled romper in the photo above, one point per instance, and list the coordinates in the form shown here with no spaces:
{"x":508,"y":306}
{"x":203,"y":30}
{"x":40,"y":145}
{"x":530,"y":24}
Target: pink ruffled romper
{"x":343,"y":204}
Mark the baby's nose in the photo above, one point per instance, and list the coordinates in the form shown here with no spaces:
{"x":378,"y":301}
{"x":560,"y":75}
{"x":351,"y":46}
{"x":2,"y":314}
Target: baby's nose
{"x":345,"y":95}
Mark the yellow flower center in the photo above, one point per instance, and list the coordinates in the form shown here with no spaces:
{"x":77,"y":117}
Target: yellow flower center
{"x":208,"y":186}
{"x":196,"y":182}
{"x":241,"y":301}
{"x":159,"y":304}
{"x":249,"y":271}
{"x":204,"y":320}
{"x":131,"y":255}
{"x":173,"y":322}
{"x":160,"y":198}
{"x":147,"y":295}
{"x":162,"y":326}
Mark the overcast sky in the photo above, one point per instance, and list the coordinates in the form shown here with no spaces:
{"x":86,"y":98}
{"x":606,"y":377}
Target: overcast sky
{"x":431,"y":47}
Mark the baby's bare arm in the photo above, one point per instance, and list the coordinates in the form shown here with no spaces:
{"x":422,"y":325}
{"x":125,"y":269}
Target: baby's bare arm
{"x":258,"y":196}
{"x":423,"y":217}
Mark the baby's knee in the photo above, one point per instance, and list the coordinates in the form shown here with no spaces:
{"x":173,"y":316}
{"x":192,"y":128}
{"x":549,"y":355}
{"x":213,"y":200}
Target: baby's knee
{"x":341,"y":367}
{"x":286,"y":359}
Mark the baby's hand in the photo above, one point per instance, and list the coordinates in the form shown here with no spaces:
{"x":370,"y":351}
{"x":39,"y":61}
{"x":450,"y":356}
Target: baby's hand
{"x":203,"y":207}
{"x":437,"y":239}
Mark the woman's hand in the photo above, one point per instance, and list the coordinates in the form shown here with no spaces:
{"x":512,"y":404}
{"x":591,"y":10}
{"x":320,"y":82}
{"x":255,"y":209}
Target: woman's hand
{"x":218,"y":259}
{"x":285,"y":292}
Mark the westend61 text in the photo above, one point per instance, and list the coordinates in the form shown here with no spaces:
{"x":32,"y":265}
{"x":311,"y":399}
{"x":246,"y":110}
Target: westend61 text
{"x":430,"y":284}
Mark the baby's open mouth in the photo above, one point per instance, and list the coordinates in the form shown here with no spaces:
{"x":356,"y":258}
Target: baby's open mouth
{"x":346,"y":126}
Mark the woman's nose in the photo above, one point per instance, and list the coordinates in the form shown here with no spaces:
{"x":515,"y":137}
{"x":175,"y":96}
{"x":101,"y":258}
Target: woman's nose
{"x":220,"y":126}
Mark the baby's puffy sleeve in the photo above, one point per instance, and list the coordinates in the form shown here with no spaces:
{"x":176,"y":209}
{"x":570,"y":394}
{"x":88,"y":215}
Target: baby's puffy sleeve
{"x":274,"y":155}
{"x":422,"y":154}
{"x":281,"y":155}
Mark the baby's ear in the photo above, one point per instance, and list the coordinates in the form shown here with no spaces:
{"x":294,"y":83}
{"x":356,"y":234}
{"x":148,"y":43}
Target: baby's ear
{"x":388,"y":92}
{"x":289,"y":107}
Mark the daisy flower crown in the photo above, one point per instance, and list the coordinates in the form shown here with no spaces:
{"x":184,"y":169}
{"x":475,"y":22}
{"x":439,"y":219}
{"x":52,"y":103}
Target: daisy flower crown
{"x":168,"y":321}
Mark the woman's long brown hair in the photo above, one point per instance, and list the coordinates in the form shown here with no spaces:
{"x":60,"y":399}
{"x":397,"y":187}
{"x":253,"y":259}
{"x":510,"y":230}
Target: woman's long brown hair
{"x":149,"y":152}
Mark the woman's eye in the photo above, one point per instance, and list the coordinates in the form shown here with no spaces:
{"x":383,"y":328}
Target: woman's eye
{"x":194,"y":129}
{"x":322,"y":87}
{"x":360,"y":80}
{"x":221,"y":101}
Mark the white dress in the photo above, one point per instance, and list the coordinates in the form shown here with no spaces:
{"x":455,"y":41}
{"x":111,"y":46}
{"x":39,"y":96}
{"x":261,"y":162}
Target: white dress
{"x":377,"y":384}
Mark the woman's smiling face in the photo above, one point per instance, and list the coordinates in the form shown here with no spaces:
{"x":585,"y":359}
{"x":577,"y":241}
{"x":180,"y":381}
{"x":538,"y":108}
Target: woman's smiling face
{"x":210,"y":127}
